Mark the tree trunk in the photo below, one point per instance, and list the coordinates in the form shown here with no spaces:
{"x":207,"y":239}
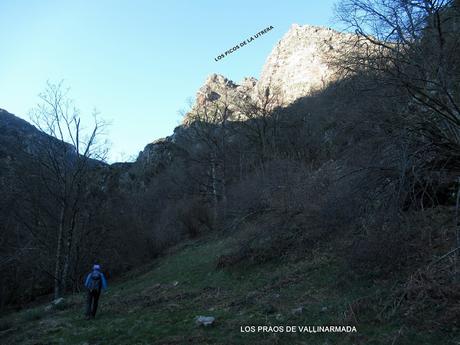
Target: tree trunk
{"x":69,"y":245}
{"x":67,"y":258}
{"x":214,"y":183}
{"x":457,"y":231}
{"x":58,"y":259}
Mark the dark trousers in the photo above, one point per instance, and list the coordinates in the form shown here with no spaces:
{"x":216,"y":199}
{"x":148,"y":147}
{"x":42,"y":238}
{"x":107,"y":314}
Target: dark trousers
{"x":92,"y":298}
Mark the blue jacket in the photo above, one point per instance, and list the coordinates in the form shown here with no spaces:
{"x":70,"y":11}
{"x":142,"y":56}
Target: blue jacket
{"x":103,"y":280}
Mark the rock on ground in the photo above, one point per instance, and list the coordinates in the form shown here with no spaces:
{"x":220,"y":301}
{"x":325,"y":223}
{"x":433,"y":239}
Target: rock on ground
{"x":204,"y":320}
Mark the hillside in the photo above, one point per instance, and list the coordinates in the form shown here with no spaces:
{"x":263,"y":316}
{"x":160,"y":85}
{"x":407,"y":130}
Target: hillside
{"x":158,"y":304}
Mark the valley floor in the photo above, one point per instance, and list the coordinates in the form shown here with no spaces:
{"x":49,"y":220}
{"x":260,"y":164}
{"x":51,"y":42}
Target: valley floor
{"x":160,"y":305}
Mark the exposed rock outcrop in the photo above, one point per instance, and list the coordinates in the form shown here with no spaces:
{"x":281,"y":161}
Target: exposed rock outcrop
{"x":219,"y":90}
{"x":298,"y":65}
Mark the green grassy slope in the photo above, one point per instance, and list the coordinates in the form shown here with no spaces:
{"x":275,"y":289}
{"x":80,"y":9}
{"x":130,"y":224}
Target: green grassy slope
{"x":159,"y":307}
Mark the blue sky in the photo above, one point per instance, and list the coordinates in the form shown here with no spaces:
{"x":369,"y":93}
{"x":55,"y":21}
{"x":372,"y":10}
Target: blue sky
{"x":137,"y":62}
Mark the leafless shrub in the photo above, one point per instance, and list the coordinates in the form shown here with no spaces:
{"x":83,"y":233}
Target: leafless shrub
{"x":385,"y":249}
{"x":260,"y":242}
{"x":195,"y":217}
{"x":424,"y":293}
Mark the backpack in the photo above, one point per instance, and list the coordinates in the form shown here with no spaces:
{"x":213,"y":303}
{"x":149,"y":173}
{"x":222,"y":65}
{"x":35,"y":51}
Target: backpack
{"x":95,"y":281}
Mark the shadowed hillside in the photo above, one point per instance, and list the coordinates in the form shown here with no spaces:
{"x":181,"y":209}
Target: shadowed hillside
{"x":160,"y":304}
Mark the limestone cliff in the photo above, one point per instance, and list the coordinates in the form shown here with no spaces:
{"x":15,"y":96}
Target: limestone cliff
{"x":297,"y":66}
{"x":299,"y":63}
{"x":219,"y":90}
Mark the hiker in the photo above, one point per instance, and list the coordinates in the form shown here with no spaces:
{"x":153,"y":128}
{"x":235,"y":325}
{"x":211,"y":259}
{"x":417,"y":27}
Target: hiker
{"x":94,"y":282}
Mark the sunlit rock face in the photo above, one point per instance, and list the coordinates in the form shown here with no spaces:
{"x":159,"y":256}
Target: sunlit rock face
{"x":218,"y":90}
{"x":299,"y":64}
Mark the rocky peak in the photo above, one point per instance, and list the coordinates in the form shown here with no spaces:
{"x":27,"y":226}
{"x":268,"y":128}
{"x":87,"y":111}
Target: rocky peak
{"x":214,"y":88}
{"x":297,"y":66}
{"x":219,"y":89}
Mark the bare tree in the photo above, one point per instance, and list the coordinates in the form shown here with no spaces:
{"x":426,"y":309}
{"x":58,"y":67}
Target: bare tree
{"x":68,"y":155}
{"x":413,"y":45}
{"x":259,"y":119}
{"x":208,"y":136}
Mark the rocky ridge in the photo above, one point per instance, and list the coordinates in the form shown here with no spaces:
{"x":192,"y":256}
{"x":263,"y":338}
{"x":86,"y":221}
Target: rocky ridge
{"x":298,"y":65}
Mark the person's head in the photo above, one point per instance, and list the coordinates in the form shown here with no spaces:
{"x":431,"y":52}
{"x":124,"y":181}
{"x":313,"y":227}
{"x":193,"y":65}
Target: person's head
{"x":96,"y":267}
